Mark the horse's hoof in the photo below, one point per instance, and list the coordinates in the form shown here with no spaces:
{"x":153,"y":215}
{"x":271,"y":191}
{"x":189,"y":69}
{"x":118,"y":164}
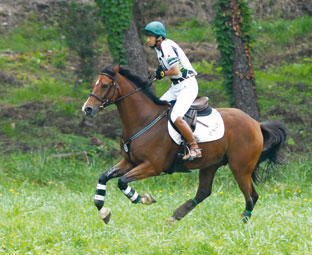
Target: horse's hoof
{"x":245,"y":219}
{"x":105,"y":214}
{"x":147,"y":199}
{"x":170,"y":221}
{"x":246,"y":216}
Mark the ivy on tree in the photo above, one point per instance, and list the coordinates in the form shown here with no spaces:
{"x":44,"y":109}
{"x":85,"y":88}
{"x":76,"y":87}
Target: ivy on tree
{"x":116,"y":16}
{"x":231,"y":19}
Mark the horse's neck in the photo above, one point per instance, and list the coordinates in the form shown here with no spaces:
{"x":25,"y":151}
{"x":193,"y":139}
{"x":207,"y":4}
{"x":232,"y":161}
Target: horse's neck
{"x":137,"y":111}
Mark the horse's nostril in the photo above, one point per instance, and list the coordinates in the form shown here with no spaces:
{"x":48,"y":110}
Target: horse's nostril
{"x":88,"y":110}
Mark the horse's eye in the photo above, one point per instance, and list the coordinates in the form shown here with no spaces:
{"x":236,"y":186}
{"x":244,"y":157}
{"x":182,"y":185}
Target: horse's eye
{"x":104,"y":86}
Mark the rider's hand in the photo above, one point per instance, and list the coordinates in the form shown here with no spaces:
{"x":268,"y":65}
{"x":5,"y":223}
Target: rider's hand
{"x":160,"y":73}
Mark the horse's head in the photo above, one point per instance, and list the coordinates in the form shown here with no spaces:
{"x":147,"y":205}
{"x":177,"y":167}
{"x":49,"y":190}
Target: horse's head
{"x":104,"y":92}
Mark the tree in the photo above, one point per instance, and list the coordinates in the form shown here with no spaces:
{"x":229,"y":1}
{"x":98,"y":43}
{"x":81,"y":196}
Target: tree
{"x":123,"y":38}
{"x":232,"y":30}
{"x":134,"y":51}
{"x":80,"y":27}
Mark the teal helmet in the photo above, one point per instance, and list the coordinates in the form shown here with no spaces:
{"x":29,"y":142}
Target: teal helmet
{"x":155,"y":28}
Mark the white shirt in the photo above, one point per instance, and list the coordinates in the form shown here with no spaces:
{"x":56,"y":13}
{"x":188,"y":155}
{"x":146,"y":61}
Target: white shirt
{"x":171,"y":54}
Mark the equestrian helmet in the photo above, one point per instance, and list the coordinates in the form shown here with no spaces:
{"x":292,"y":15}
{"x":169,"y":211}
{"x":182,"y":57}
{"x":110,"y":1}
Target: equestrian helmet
{"x":155,"y":28}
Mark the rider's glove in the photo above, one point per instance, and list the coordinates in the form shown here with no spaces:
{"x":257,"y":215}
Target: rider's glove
{"x":160,"y":73}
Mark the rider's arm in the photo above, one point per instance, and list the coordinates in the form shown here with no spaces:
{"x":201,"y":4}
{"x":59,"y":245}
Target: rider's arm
{"x":174,"y":70}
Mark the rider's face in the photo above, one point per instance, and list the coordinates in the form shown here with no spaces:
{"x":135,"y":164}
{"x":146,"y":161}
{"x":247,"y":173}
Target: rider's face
{"x":151,"y":40}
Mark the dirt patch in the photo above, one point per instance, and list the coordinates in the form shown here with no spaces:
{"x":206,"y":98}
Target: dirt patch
{"x":6,"y":79}
{"x":41,"y":115}
{"x":14,"y":12}
{"x":199,"y":51}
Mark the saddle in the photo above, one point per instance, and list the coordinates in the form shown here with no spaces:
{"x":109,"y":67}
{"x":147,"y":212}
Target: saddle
{"x":200,"y":107}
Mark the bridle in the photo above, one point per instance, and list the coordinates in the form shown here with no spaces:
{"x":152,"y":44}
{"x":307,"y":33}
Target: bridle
{"x":107,"y":101}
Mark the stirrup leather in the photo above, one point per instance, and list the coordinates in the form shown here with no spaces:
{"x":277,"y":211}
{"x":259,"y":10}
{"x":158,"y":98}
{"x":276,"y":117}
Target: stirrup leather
{"x":193,"y":152}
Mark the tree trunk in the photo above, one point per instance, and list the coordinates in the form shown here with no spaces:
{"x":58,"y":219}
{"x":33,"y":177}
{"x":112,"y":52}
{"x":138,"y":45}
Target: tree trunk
{"x":134,"y":51}
{"x":244,"y":89}
{"x":139,"y":14}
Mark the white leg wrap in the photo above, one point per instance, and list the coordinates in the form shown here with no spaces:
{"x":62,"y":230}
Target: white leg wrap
{"x":99,"y":197}
{"x":134,"y":197}
{"x":101,"y":186}
{"x":126,"y":192}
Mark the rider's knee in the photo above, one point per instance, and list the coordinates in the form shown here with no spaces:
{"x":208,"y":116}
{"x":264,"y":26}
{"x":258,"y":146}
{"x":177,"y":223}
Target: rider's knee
{"x":179,"y":119}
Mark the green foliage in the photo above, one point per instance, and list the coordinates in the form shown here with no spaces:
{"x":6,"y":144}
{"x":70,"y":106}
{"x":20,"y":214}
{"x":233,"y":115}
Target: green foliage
{"x":59,"y":60}
{"x":81,"y":29}
{"x":204,"y":67}
{"x":300,"y":71}
{"x":223,"y":33}
{"x":8,"y":129}
{"x":223,"y":30}
{"x":285,"y":93}
{"x":116,"y":16}
{"x":32,"y":35}
{"x":46,"y":89}
{"x":193,"y":30}
{"x":246,"y":23}
{"x":74,"y":143}
{"x":282,"y":32}
{"x":287,"y":84}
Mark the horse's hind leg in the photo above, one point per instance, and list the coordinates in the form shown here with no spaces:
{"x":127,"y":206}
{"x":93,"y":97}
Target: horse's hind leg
{"x":243,"y":178}
{"x":206,"y":176}
{"x":141,"y":171}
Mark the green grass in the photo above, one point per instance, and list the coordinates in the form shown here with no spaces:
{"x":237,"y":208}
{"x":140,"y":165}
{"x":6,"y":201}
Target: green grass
{"x":286,"y":83}
{"x":282,"y":32}
{"x":193,"y":30}
{"x":46,"y":207}
{"x":48,"y":89}
{"x":25,"y":37}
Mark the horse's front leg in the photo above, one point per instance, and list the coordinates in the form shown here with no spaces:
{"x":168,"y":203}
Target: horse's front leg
{"x":141,"y":171}
{"x":118,"y":170}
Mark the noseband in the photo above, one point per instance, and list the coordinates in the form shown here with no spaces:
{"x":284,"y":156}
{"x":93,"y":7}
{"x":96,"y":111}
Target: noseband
{"x":106,"y":102}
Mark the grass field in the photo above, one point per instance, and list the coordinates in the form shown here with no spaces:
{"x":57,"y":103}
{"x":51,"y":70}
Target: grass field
{"x":46,"y":207}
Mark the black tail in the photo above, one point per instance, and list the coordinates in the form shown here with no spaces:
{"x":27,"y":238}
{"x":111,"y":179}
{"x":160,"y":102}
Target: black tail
{"x":274,"y":136}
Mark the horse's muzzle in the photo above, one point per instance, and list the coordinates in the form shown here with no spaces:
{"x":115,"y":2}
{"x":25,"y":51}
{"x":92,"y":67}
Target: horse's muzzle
{"x":90,"y":111}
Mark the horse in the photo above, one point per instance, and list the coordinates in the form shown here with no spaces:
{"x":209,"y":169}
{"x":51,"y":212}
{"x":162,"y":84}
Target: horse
{"x":147,"y":149}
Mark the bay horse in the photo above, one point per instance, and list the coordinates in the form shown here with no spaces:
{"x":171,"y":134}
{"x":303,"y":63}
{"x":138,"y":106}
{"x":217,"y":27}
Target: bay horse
{"x":148,"y":150}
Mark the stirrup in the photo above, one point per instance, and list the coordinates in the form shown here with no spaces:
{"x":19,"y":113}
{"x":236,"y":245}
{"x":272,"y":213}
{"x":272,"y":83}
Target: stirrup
{"x":193,"y":152}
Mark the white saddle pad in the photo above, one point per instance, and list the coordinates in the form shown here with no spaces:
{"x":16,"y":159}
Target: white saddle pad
{"x":213,"y":129}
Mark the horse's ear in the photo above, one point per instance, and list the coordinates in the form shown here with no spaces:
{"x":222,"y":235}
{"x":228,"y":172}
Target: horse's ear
{"x":116,"y":69}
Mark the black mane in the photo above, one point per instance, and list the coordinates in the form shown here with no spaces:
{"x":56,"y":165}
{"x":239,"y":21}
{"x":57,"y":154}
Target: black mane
{"x":137,"y":81}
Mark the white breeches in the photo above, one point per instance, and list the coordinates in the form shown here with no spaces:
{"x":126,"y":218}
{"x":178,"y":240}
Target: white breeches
{"x":184,"y":93}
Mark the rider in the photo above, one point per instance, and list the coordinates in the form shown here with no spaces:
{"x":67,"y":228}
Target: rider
{"x":184,"y":88}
